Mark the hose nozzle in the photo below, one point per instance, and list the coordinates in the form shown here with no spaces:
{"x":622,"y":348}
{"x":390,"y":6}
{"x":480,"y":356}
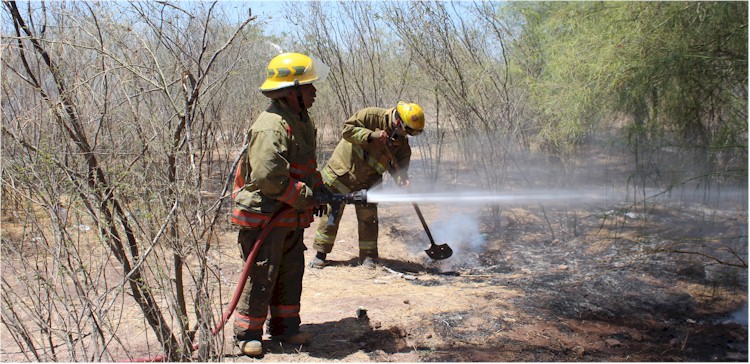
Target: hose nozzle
{"x":355,"y":198}
{"x":337,"y":200}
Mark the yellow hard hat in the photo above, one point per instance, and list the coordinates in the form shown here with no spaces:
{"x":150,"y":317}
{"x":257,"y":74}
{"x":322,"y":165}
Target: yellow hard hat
{"x":412,"y":115}
{"x":289,"y":69}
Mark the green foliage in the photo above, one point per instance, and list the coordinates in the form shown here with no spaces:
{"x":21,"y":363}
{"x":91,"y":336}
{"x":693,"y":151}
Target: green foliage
{"x":679,"y":66}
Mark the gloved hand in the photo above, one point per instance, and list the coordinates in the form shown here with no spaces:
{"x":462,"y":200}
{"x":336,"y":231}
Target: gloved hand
{"x":379,"y":136}
{"x":320,"y":210}
{"x":305,"y":200}
{"x":321,"y":195}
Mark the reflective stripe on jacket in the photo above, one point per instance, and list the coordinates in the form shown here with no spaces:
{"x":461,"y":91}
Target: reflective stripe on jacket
{"x":279,"y":168}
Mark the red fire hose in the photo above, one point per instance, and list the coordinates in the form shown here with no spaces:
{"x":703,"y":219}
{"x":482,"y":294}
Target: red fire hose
{"x":240,"y":285}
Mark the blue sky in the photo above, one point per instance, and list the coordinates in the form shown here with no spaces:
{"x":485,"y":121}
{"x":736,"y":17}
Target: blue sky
{"x":270,"y":12}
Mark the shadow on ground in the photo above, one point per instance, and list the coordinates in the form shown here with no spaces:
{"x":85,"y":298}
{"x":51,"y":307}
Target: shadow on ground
{"x":339,"y":339}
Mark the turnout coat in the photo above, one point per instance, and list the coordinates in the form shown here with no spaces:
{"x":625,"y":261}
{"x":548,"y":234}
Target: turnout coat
{"x":285,"y":175}
{"x":358,"y":161}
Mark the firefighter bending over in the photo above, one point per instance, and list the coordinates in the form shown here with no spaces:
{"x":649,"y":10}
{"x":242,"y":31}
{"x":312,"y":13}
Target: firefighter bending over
{"x":279,"y":170}
{"x":371,"y":137}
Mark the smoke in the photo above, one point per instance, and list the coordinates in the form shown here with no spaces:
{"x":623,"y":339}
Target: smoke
{"x":461,"y":231}
{"x":740,"y":316}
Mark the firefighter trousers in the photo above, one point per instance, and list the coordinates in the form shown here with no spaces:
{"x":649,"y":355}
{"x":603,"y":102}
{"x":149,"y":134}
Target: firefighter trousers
{"x":274,"y":285}
{"x":367,"y":225}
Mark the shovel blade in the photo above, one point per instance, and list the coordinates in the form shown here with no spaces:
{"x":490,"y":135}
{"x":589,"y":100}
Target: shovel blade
{"x":439,"y":252}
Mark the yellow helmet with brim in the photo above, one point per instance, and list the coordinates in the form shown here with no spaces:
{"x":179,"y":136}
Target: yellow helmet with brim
{"x":290,"y":69}
{"x":412,"y":116}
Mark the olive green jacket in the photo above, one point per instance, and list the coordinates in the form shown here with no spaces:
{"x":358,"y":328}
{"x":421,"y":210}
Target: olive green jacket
{"x":278,"y":169}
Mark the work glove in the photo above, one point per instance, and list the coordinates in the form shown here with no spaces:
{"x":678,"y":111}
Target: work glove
{"x":320,"y":210}
{"x":305,"y":199}
{"x":401,"y":181}
{"x":380,"y":136}
{"x":322,"y":196}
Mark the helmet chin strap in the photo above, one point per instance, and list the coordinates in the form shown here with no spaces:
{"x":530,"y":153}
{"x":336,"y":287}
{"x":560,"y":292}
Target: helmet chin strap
{"x":396,"y":124}
{"x":400,"y":123}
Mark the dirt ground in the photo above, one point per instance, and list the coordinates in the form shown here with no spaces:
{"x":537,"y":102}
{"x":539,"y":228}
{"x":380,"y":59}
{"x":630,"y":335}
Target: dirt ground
{"x":599,"y":290}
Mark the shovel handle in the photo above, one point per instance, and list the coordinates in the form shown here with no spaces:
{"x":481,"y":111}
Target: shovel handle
{"x":424,"y":223}
{"x":416,"y":208}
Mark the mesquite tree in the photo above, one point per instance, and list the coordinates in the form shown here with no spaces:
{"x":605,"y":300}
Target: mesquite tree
{"x":468,"y":68}
{"x":674,"y":72}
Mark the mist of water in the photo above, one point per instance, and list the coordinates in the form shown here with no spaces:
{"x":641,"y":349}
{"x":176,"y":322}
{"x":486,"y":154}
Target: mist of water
{"x":484,"y":197}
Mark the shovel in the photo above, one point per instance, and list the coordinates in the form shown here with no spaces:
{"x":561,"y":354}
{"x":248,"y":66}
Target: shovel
{"x":437,"y":252}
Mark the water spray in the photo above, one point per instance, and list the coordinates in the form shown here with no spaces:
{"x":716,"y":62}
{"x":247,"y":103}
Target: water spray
{"x":478,"y":197}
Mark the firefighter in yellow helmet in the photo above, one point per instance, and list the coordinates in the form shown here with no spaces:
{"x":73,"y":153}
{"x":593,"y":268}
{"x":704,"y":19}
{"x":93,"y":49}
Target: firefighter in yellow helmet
{"x":371,"y":137}
{"x":279,"y":170}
